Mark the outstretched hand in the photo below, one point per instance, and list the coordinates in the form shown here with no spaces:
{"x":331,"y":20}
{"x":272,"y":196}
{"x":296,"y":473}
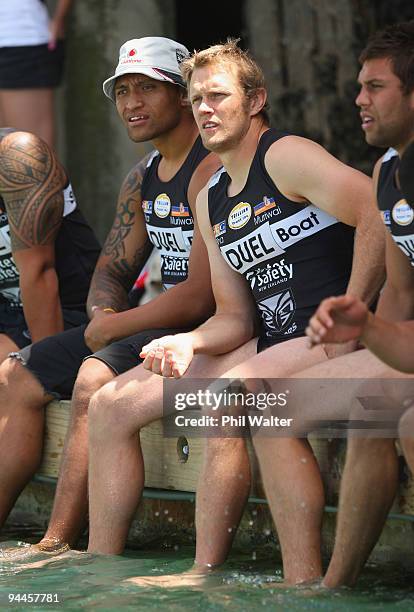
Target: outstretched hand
{"x":169,"y":356}
{"x":338,"y":319}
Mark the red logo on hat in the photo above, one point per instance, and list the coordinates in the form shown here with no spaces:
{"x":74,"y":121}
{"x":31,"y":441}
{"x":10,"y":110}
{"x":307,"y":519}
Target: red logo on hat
{"x":132,"y":52}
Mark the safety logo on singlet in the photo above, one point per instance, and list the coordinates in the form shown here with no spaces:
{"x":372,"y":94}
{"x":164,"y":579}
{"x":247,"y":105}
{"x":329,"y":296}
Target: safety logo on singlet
{"x":162,"y":205}
{"x":147,"y":207}
{"x":402,"y":213}
{"x":239,"y":215}
{"x":277,"y":310}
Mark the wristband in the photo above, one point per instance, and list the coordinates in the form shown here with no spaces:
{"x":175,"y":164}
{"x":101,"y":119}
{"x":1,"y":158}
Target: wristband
{"x":106,"y":309}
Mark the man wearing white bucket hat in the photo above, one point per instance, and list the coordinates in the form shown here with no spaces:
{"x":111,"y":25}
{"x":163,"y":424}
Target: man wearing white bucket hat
{"x":155,"y":209}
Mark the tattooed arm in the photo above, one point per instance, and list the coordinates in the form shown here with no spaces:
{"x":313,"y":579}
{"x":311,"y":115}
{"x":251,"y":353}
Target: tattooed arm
{"x":31,"y":183}
{"x":186,"y":304}
{"x":124,"y":253}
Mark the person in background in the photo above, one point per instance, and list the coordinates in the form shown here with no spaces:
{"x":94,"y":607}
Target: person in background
{"x":31,"y":64}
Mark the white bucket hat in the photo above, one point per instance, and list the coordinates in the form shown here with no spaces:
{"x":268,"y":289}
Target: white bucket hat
{"x":154,"y":56}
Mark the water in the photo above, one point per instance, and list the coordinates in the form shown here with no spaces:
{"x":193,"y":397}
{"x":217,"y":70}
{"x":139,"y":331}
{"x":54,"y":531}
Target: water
{"x":247,"y":582}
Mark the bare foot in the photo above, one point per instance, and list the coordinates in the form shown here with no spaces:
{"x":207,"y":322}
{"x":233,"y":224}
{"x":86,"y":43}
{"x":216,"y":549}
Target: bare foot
{"x":51,"y":557}
{"x":193,"y":578}
{"x":23,"y":553}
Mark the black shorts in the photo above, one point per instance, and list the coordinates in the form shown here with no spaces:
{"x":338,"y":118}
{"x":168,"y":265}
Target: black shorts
{"x":13,"y":323}
{"x":55,"y":361}
{"x":31,"y":67}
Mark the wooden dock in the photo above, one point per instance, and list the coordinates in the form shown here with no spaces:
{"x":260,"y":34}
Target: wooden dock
{"x":172,"y":468}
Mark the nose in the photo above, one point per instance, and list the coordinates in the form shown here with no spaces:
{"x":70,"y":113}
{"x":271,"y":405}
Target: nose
{"x":362,"y":98}
{"x":134,"y":100}
{"x":204,"y":107}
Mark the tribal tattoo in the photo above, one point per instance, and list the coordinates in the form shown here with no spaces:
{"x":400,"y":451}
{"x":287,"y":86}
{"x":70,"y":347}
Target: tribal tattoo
{"x":114,"y":279}
{"x":31,"y":183}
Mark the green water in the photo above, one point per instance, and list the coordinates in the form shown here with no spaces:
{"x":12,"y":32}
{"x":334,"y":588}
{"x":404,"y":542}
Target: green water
{"x":248,"y":582}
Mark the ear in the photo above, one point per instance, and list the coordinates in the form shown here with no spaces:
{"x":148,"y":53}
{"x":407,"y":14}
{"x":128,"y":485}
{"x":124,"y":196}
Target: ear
{"x":184,"y":101}
{"x":258,"y":101}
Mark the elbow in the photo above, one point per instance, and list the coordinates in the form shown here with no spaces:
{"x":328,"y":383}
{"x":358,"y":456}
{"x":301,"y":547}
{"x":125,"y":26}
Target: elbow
{"x":41,"y":278}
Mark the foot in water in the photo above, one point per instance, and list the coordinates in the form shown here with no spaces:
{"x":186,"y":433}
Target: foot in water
{"x":196,"y":577}
{"x":33,"y":551}
{"x":52,"y":558}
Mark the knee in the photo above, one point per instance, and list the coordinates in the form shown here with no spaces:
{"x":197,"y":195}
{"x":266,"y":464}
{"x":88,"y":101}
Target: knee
{"x":406,"y":424}
{"x":102,"y":421}
{"x":15,"y":386}
{"x":93,"y":375}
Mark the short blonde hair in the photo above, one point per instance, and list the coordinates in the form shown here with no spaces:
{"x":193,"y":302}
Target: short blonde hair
{"x":250,"y":75}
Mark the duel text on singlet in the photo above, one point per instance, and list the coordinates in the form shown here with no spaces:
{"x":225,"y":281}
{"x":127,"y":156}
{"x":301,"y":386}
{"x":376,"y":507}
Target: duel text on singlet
{"x":168,"y":216}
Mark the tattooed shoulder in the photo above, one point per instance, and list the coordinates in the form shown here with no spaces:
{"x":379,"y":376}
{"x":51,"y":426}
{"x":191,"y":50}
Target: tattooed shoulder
{"x":31,"y":183}
{"x":129,"y":204}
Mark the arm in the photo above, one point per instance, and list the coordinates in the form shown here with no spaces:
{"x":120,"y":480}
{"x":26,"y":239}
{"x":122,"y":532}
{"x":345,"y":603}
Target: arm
{"x":231,"y":326}
{"x":342,"y":192}
{"x":31,"y":183}
{"x":116,"y":273}
{"x":57,"y":23}
{"x":345,"y":318}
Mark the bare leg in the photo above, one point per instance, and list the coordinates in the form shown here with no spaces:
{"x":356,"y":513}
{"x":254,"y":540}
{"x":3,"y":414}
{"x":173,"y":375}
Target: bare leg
{"x":6,"y":344}
{"x":406,"y":431}
{"x":370,"y":476}
{"x":30,"y":110}
{"x":21,"y":431}
{"x":117,"y":412}
{"x":70,"y":506}
{"x":368,"y":487}
{"x":214,"y":540}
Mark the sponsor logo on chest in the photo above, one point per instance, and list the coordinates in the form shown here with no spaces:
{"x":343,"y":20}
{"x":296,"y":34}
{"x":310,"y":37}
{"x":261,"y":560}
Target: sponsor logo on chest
{"x":270,"y":275}
{"x":402,"y":213}
{"x":303,"y":224}
{"x":162,"y":205}
{"x":256,"y":247}
{"x":239,"y":215}
{"x":169,"y":241}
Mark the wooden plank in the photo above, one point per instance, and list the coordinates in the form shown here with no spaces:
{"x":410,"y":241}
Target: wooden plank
{"x":169,"y":465}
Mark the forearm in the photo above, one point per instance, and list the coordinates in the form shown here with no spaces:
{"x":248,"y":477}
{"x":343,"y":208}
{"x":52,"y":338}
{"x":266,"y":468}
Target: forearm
{"x":395,"y":305}
{"x":368,"y":267}
{"x":392,"y":342}
{"x":41,"y":305}
{"x":222,"y":333}
{"x":179,"y":307}
{"x":106,"y":291}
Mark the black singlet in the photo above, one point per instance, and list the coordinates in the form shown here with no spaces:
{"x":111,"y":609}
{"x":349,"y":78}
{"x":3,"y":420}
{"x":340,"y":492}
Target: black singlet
{"x":397,"y":214}
{"x":76,"y":254}
{"x":292,"y":254}
{"x":168,"y":216}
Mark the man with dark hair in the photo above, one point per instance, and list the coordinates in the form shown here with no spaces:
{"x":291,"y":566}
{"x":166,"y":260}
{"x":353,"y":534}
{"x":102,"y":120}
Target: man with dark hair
{"x":155,"y":209}
{"x":370,"y":477}
{"x":47,"y":250}
{"x":277,"y":222}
